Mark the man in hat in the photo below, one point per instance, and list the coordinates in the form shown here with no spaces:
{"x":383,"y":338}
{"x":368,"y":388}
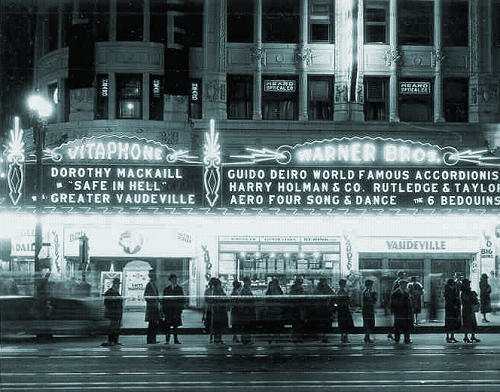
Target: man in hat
{"x":152,"y":316}
{"x":172,"y":304}
{"x":113,"y":305}
{"x":368,"y":309}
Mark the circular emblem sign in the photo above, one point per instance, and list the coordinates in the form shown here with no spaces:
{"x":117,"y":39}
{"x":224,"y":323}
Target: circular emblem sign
{"x":131,"y":242}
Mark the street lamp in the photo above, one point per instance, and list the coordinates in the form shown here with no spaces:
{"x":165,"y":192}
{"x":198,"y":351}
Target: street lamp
{"x":42,"y":109}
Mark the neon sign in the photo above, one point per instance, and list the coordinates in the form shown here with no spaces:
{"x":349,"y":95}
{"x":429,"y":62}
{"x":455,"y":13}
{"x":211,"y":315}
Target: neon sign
{"x":15,"y":158}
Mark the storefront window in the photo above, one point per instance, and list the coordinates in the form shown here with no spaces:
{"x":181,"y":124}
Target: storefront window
{"x":320,"y":98}
{"x":240,"y":96}
{"x":280,"y":21}
{"x":129,"y":96}
{"x":415,"y":22}
{"x":321,"y":21}
{"x":240,"y":21}
{"x":376,"y":28}
{"x":129,"y":20}
{"x":415,"y":100}
{"x":376,"y":98}
{"x":279,"y":98}
{"x":456,"y":99}
{"x":455,"y":23}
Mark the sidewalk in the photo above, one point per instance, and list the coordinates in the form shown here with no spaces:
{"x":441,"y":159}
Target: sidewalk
{"x":133,"y":322}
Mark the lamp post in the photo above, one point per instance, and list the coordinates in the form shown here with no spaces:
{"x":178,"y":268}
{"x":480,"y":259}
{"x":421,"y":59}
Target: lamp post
{"x":42,"y":110}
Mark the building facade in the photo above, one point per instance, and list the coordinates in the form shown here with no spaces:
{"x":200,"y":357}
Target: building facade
{"x":273,"y":73}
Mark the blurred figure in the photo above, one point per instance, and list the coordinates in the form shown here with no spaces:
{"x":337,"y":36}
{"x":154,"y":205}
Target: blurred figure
{"x":43,"y":296}
{"x":344,"y":313}
{"x":153,"y":316}
{"x":207,"y":314}
{"x":172,"y":308}
{"x":368,"y":309}
{"x":451,"y":310}
{"x":247,"y":311}
{"x":273,"y":313}
{"x":402,"y":308}
{"x":218,"y":311}
{"x":416,"y":290}
{"x":322,"y":313}
{"x":470,"y":305}
{"x":235,"y":317}
{"x":113,"y":310}
{"x":395,"y":286}
{"x":485,"y":296}
{"x":297,"y":310}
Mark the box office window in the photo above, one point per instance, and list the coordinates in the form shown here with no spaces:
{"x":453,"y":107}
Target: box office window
{"x":411,"y":266}
{"x":321,"y":21}
{"x":129,"y":96}
{"x":320,"y":97}
{"x":416,"y":101}
{"x":370,"y":264}
{"x":240,"y":96}
{"x":376,"y":23}
{"x":280,"y":21}
{"x":240,"y":21}
{"x":456,"y":99}
{"x":376,"y":98}
{"x":455,"y":20}
{"x":279,"y":98}
{"x":416,"y":22}
{"x":129,"y":20}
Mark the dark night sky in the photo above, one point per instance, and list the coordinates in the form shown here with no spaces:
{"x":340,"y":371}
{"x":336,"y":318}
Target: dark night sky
{"x":17,"y":25}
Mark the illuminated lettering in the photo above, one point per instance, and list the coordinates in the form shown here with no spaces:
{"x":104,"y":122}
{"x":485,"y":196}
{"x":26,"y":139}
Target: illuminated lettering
{"x":112,"y":150}
{"x":356,"y":152}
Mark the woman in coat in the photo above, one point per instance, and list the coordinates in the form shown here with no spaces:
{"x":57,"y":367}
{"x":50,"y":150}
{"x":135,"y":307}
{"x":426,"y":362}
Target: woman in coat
{"x":451,"y":310}
{"x":172,"y":308}
{"x":343,"y":312}
{"x":297,"y":310}
{"x":368,"y":309}
{"x":235,"y":317}
{"x":321,"y":314}
{"x":484,"y":296}
{"x":470,"y":305}
{"x":247,"y":311}
{"x":401,"y":306}
{"x":218,"y":311}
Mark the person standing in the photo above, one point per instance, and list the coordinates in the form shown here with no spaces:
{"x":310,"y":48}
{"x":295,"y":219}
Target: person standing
{"x":368,"y":309}
{"x":343,"y":312}
{"x":172,"y":304}
{"x":451,"y":310}
{"x":153,"y":316}
{"x":113,"y":310}
{"x":321,"y":314}
{"x":485,"y":296}
{"x":416,"y":290}
{"x":247,"y":311}
{"x":395,"y":286}
{"x":274,"y":317}
{"x":218,"y":310}
{"x":470,"y":305}
{"x":297,"y":310}
{"x":235,"y":316}
{"x":403,"y":315}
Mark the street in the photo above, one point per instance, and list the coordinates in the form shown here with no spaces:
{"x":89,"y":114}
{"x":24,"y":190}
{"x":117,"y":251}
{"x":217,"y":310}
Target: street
{"x":73,"y":364}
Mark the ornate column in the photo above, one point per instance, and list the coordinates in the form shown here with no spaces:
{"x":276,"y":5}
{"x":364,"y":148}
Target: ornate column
{"x":214,"y":59}
{"x":303,"y":58}
{"x":437,"y":58}
{"x":259,"y":55}
{"x":391,"y":60}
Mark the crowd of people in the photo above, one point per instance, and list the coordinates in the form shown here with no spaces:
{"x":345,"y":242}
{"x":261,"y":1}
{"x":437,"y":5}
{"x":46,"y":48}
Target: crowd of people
{"x":245,"y":314}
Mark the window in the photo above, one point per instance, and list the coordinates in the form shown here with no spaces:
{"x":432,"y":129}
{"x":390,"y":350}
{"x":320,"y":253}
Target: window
{"x":456,"y":99}
{"x":156,"y":97}
{"x":240,"y":21}
{"x":279,"y":98}
{"x":240,"y":96}
{"x":280,"y":21}
{"x":376,"y":99}
{"x":416,"y":103}
{"x":52,"y":19}
{"x":129,"y":96}
{"x":158,"y":23}
{"x":320,"y":98}
{"x":416,"y":22}
{"x":376,"y":28}
{"x":455,"y":23}
{"x":321,"y":18}
{"x":129,"y":20}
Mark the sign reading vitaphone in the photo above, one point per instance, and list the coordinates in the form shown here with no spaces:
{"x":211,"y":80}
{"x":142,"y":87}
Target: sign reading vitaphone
{"x":121,"y":171}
